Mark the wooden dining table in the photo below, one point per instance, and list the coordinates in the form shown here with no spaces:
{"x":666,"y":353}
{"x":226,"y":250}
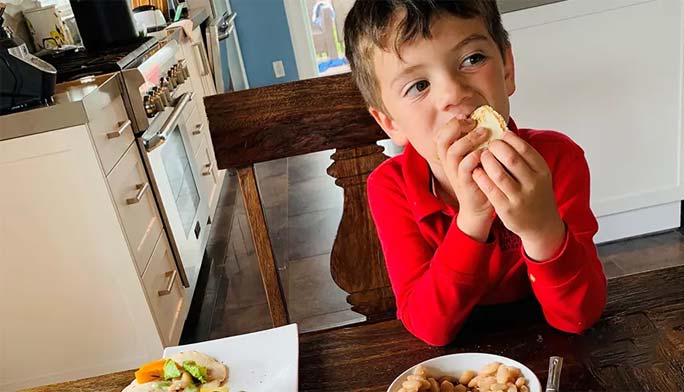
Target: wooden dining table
{"x":637,"y":345}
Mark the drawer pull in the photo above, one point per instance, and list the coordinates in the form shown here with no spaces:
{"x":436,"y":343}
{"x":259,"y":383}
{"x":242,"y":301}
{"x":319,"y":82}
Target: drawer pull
{"x":198,"y":129}
{"x":172,"y":277}
{"x":142,"y":188}
{"x":122,"y":127}
{"x":210,"y":167}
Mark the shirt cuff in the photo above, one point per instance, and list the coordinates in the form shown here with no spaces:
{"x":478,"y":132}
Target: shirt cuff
{"x":462,"y":255}
{"x":559,"y":269}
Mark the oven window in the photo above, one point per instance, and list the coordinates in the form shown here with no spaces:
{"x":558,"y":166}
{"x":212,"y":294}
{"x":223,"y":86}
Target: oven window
{"x":179,"y":174}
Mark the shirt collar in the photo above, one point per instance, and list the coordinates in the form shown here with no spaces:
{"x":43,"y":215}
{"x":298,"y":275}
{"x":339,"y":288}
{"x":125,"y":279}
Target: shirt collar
{"x":416,"y":172}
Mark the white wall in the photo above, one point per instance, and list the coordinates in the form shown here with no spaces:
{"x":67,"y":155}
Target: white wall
{"x":609,"y":74}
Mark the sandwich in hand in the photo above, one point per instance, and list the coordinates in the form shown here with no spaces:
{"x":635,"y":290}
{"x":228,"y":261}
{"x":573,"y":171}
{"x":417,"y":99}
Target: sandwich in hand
{"x":487,"y":117}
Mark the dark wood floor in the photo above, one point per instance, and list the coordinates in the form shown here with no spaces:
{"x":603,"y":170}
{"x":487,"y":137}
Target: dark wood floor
{"x":303,"y":208}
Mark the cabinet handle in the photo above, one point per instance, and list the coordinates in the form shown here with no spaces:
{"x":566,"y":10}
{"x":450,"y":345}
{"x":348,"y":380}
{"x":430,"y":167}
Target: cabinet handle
{"x":172,"y":274}
{"x":122,"y":127}
{"x":142,"y":188}
{"x":210,"y":167}
{"x":203,"y":58}
{"x":198,"y":129}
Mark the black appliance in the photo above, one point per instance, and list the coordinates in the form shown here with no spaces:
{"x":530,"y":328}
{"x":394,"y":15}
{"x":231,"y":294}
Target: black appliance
{"x":104,"y":23}
{"x":73,"y":64}
{"x":25,"y":80}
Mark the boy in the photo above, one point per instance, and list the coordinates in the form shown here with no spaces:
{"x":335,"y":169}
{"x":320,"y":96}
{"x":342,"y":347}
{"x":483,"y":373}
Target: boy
{"x":461,"y":226}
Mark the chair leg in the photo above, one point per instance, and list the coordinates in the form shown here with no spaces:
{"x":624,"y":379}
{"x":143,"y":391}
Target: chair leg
{"x":262,"y":245}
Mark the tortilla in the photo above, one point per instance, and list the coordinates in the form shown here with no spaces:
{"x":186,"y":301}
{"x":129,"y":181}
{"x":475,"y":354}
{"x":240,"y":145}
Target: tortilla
{"x":216,"y":371}
{"x":152,"y":386}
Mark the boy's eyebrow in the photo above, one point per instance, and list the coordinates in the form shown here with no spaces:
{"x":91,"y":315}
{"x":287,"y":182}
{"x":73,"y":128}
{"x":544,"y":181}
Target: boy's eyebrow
{"x":457,"y":47}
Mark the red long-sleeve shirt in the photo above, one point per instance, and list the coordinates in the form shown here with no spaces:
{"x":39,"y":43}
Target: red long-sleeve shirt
{"x":439,"y":274}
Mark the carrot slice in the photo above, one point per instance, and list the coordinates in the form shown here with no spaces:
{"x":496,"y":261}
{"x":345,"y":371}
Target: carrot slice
{"x":152,"y":371}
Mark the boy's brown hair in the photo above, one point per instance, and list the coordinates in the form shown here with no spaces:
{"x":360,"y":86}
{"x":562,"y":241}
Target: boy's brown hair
{"x":368,"y":26}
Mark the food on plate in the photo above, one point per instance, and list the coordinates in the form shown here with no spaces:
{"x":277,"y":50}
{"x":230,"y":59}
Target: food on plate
{"x":187,"y":371}
{"x":493,"y":377}
{"x":487,"y":117}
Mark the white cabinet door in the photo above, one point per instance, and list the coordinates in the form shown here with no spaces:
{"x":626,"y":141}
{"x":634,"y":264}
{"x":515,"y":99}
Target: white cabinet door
{"x":608,"y":74}
{"x":71,"y":301}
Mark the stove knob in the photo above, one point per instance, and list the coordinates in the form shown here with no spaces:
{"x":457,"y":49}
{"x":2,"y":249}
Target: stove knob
{"x":165,"y":95}
{"x":150,"y":107}
{"x":184,"y":69}
{"x":168,"y":83}
{"x":164,"y":98}
{"x":171,"y":80}
{"x":157,"y":101}
{"x":180,"y":75}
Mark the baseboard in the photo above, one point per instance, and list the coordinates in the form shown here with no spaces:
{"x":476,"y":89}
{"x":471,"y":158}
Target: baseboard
{"x":639,"y":222}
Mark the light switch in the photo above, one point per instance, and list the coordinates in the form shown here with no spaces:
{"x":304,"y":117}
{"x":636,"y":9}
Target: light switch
{"x":278,"y":69}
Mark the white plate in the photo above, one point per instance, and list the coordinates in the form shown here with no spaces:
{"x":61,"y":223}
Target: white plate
{"x":262,"y":361}
{"x":454,"y":364}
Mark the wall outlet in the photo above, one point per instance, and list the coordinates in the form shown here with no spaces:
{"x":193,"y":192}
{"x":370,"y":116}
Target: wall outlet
{"x":278,"y":69}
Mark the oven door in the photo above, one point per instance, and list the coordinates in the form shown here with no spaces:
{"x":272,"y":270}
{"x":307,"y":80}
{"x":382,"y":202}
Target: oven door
{"x":175,"y":176}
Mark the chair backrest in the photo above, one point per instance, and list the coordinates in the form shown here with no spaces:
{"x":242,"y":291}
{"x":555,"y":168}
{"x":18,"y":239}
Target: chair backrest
{"x":285,"y":120}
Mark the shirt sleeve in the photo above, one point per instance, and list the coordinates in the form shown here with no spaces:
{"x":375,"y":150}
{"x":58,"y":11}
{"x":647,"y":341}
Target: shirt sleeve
{"x":435,"y":289}
{"x":571,"y":287}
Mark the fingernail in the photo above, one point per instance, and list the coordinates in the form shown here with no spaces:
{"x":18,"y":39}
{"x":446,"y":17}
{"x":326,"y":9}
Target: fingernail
{"x":480,"y":131}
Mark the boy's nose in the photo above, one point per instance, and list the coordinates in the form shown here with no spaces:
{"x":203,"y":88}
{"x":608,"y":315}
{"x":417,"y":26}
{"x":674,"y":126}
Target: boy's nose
{"x":453,"y":96}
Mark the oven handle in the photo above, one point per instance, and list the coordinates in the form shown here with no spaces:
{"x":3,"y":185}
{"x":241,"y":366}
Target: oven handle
{"x":170,"y":123}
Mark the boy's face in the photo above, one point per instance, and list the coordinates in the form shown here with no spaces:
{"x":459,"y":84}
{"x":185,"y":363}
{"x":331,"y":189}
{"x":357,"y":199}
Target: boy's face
{"x":454,"y":72}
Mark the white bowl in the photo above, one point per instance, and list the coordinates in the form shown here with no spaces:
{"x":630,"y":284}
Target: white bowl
{"x":455,"y":364}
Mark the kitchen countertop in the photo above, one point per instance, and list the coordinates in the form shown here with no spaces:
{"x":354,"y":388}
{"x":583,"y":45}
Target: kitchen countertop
{"x":67,"y":110}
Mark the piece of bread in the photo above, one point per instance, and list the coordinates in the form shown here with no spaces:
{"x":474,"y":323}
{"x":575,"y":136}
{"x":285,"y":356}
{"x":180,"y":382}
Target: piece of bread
{"x":487,"y":117}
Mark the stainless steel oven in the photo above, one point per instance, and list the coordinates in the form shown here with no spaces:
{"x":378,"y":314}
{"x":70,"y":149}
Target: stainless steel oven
{"x":176,"y":179}
{"x":161,"y":100}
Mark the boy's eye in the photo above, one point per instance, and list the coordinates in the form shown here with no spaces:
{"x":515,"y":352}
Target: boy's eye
{"x":473,"y":59}
{"x":417,"y":88}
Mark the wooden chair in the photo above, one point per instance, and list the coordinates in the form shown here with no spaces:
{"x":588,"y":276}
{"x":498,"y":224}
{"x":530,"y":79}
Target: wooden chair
{"x":285,"y":120}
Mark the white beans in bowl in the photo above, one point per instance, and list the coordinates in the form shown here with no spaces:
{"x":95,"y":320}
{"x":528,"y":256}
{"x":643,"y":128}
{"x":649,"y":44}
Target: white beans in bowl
{"x":468,"y":372}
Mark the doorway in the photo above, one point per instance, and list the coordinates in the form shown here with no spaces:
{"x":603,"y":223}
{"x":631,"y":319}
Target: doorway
{"x":317,"y":32}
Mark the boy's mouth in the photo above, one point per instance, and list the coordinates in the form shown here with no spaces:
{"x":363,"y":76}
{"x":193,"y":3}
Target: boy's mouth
{"x":466,"y":111}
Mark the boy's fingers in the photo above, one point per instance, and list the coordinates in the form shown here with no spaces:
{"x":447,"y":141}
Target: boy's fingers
{"x":450,"y":132}
{"x":469,"y":163}
{"x":467,"y":144}
{"x":535,"y":161}
{"x":512,"y":161}
{"x":499,"y":176}
{"x":487,"y":186}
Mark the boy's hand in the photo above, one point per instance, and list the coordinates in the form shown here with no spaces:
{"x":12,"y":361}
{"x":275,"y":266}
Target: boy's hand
{"x":456,"y":142}
{"x":518,"y":183}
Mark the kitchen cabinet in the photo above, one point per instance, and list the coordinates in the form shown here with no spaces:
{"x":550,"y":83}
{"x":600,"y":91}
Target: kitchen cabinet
{"x":585,"y":69}
{"x":67,"y":274}
{"x":109,"y":125}
{"x":87,"y":275}
{"x":137,"y":208}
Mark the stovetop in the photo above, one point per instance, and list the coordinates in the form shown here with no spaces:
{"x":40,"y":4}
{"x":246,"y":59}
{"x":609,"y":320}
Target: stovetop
{"x":76,"y":63}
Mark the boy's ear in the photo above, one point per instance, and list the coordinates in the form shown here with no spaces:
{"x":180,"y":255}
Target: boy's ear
{"x":509,"y":71}
{"x":387,"y":125}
